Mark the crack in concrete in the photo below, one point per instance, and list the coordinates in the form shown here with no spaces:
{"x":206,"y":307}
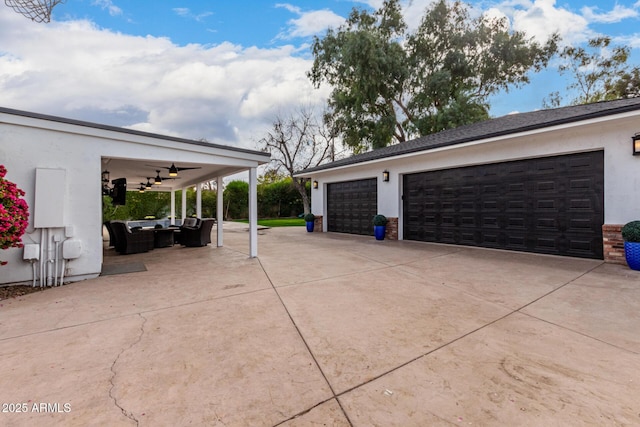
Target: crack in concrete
{"x":126,"y":413}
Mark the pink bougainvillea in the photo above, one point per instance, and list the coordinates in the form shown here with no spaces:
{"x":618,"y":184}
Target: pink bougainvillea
{"x":14,"y":214}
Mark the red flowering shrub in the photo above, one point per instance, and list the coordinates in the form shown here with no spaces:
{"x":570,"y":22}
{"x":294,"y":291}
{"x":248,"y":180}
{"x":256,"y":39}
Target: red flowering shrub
{"x":14,"y":214}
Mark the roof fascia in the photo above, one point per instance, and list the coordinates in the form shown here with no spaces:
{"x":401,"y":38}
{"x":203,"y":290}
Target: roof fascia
{"x":26,"y":119}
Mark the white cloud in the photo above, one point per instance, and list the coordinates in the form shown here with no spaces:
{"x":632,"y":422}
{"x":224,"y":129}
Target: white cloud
{"x":309,"y":23}
{"x":541,"y":18}
{"x":414,"y":10}
{"x":630,"y":40}
{"x":291,"y":8}
{"x":109,"y":6}
{"x":224,"y":93}
{"x":186,"y":13}
{"x":617,"y":14}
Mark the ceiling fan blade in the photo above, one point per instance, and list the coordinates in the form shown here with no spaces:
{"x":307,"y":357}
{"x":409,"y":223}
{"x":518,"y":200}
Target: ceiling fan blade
{"x":177,"y":167}
{"x":150,"y":180}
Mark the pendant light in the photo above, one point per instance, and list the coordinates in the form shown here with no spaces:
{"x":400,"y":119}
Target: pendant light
{"x":173,"y":170}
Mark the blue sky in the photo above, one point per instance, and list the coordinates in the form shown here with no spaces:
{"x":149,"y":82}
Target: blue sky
{"x":222,"y":70}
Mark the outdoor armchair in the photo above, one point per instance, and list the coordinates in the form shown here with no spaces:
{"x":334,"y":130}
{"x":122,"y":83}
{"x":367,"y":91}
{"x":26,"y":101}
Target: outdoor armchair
{"x":197,"y":236}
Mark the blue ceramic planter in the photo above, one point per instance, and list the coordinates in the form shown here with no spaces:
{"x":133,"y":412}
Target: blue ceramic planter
{"x":310,"y":226}
{"x":632,"y":254}
{"x":378,"y":231}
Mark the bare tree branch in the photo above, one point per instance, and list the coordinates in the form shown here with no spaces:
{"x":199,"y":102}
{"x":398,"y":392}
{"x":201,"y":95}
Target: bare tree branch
{"x":299,"y":141}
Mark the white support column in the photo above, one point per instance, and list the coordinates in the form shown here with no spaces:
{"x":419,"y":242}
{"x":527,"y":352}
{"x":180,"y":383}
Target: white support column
{"x":219,"y":210}
{"x":199,"y":200}
{"x":184,"y":204}
{"x":173,"y":208}
{"x":253,"y":212}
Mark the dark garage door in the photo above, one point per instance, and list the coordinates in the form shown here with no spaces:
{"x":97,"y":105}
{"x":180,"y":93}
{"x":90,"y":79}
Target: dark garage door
{"x":351,"y":206}
{"x":551,"y":205}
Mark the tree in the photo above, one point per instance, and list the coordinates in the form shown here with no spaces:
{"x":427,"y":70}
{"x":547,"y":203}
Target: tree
{"x":139,"y":206}
{"x":297,"y":142}
{"x":391,"y":86}
{"x":236,"y":199}
{"x":599,"y":73}
{"x":279,"y":199}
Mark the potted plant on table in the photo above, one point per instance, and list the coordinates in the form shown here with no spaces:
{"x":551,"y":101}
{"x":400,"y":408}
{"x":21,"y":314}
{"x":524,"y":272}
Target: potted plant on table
{"x":310,"y":220}
{"x":631,"y":237}
{"x":379,"y":226}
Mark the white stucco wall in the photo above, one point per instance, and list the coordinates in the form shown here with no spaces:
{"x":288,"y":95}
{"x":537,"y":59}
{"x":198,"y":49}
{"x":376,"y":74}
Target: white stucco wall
{"x":22,"y":151}
{"x":611,"y":134}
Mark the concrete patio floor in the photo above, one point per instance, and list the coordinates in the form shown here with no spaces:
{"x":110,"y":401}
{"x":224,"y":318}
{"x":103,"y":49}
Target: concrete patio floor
{"x":328,"y":329}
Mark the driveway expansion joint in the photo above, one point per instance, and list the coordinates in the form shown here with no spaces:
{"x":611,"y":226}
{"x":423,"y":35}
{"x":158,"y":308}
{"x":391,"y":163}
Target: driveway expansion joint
{"x":313,"y":357}
{"x":112,"y":380}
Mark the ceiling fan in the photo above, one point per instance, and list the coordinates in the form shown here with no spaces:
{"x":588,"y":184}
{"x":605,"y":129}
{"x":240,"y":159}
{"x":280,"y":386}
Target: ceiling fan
{"x":158,"y":179}
{"x":173,"y":169}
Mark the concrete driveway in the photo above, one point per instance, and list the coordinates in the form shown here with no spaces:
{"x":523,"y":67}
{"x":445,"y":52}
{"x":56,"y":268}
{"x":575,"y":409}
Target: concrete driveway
{"x":327,"y":329}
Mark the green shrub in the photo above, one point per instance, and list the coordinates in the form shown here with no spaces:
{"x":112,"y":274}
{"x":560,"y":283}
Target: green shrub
{"x":379,"y":220}
{"x":631,"y":231}
{"x":309,"y":217}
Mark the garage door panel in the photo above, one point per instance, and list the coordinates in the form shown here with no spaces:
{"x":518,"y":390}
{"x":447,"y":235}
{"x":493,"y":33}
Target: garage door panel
{"x":552,"y":205}
{"x":351,"y":206}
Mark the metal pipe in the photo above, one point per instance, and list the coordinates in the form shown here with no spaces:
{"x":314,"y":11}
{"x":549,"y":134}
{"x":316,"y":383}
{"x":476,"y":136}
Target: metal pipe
{"x":64,"y":261}
{"x":55,"y":263}
{"x":33,"y":268}
{"x":49,"y":260}
{"x":41,"y":261}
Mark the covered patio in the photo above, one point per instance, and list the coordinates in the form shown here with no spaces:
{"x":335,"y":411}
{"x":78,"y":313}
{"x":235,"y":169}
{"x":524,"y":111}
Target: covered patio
{"x":150,"y":176}
{"x":65,"y":167}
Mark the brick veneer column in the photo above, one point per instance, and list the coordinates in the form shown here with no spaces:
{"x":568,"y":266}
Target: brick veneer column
{"x":613,"y":244}
{"x":317,"y":224}
{"x":391,"y":232}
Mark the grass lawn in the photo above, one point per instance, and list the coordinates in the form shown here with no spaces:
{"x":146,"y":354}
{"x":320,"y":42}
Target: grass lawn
{"x":278,"y":222}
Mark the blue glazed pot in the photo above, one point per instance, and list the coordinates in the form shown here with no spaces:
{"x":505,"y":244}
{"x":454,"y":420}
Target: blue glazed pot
{"x":310,"y":226}
{"x":632,"y":254}
{"x":378,"y":231}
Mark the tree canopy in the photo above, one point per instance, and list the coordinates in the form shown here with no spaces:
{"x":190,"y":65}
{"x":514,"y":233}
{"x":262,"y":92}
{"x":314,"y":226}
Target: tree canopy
{"x":599,"y":72}
{"x":391,"y":85}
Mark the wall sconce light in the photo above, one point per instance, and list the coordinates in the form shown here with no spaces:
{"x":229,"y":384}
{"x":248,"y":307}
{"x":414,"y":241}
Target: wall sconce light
{"x":315,"y":184}
{"x":385,"y":176}
{"x":636,"y":144}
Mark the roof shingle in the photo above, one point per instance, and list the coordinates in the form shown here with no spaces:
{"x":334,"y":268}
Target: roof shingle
{"x":505,"y":125}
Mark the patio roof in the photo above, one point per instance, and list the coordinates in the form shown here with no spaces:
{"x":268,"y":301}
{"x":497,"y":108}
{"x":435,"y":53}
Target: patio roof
{"x":209,"y":160}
